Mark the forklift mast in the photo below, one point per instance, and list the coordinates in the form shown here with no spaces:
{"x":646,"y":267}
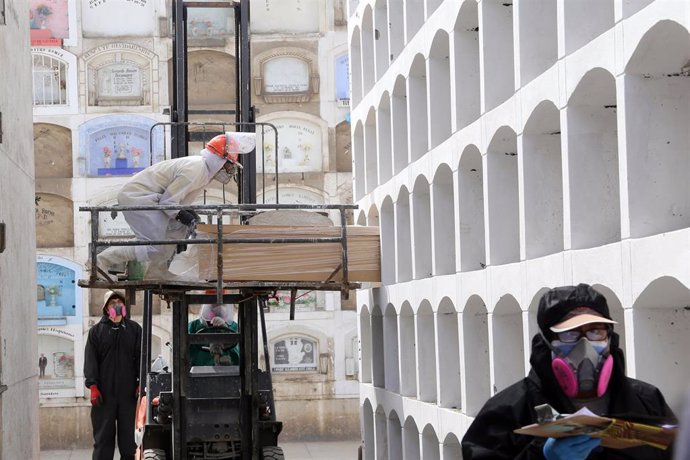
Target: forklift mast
{"x":243,"y":110}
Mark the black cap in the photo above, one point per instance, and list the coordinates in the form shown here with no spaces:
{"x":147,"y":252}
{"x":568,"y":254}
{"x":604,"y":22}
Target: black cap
{"x":555,"y":304}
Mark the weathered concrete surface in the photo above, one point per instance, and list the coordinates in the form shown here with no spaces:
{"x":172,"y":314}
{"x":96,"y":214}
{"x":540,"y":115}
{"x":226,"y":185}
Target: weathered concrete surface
{"x":303,"y":420}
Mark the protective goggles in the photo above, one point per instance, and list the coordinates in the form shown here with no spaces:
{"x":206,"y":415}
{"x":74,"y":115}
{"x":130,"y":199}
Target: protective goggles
{"x":594,"y":334}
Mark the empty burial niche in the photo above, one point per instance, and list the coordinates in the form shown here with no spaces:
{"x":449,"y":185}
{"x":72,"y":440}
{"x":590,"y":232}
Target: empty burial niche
{"x":585,"y":20}
{"x":451,"y":447}
{"x":356,"y":66}
{"x":661,"y":316}
{"x":448,"y":355}
{"x":414,"y":17}
{"x":593,"y":161}
{"x":538,"y":38}
{"x":616,"y":311}
{"x":502,"y":193}
{"x":358,"y":146}
{"x":377,"y":360}
{"x":430,"y":445}
{"x":390,"y":349}
{"x":365,"y":343}
{"x":408,"y":352}
{"x":657,"y":113}
{"x":444,"y":221}
{"x":381,"y":37}
{"x":508,"y":359}
{"x":371,"y":152}
{"x":417,"y":108}
{"x":373,"y":216}
{"x":497,"y":35}
{"x":368,"y":63}
{"x":403,"y":235}
{"x":388,"y":256}
{"x":631,"y":7}
{"x":476,"y":350}
{"x":426,"y":358}
{"x":362,"y":219}
{"x":381,"y":434}
{"x":421,"y":221}
{"x":368,"y":431}
{"x":383,"y":127}
{"x":466,"y":64}
{"x":394,"y":436}
{"x":541,"y":147}
{"x":439,"y":89}
{"x":471,"y":210}
{"x":411,"y":439}
{"x":399,"y":125}
{"x":396,"y":21}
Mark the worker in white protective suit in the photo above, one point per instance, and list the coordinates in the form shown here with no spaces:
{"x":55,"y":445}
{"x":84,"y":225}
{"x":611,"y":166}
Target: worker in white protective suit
{"x":172,"y":182}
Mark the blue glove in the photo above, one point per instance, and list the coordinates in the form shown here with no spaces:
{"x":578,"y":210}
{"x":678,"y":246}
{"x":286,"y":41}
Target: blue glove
{"x":571,"y":448}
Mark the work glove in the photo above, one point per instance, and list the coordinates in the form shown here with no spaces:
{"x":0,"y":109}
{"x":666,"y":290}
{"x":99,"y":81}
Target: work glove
{"x":217,"y":322}
{"x":187,"y":217}
{"x":96,"y":397}
{"x":571,"y":448}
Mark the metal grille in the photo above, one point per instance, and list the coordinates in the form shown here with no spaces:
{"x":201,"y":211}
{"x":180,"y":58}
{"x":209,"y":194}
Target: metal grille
{"x":49,"y":80}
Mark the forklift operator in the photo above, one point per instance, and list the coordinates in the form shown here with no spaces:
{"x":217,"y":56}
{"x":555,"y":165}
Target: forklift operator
{"x":172,"y":182}
{"x":213,"y":318}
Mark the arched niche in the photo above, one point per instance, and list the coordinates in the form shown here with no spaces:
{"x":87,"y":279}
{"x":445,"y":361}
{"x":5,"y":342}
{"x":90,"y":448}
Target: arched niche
{"x":430,"y":444}
{"x":381,"y":432}
{"x":502,"y":193}
{"x":396,"y":26}
{"x":538,"y":38}
{"x":377,"y":348}
{"x":54,"y":81}
{"x":616,"y":311}
{"x":211,"y":80}
{"x":356,"y":66}
{"x":471,"y":210}
{"x":657,"y":113}
{"x":368,"y":431}
{"x":388,"y":256}
{"x":382,"y":54}
{"x":399,"y":125}
{"x":286,"y":75}
{"x":368,"y":58}
{"x":383,"y":145}
{"x":373,"y":216}
{"x":403,"y":236}
{"x":466,"y":64}
{"x":365,"y":343}
{"x":448,"y":355}
{"x":443,"y":209}
{"x":395,"y":448}
{"x":426,"y":353}
{"x":451,"y":447}
{"x":661,"y":320}
{"x":421,"y":223}
{"x":508,"y":344}
{"x":371,"y":152}
{"x":390,"y":349}
{"x":595,"y":215}
{"x":52,"y":151}
{"x":543,"y":182}
{"x":408,"y":352}
{"x":411,"y":440}
{"x":417,"y":110}
{"x":585,"y":20}
{"x":414,"y":18}
{"x":343,"y":147}
{"x":476,"y":345}
{"x":54,"y":221}
{"x":358,"y":147}
{"x":439,"y":89}
{"x":362,"y":218}
{"x":497,"y":35}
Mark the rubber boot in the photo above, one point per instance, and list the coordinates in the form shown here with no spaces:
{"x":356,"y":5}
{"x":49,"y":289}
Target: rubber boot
{"x":115,"y":256}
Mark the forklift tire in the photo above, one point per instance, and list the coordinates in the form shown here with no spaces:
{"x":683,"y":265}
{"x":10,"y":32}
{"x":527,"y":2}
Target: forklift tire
{"x":154,"y":454}
{"x":272,"y":453}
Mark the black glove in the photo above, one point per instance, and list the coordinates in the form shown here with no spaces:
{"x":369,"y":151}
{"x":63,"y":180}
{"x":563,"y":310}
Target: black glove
{"x":187,"y":217}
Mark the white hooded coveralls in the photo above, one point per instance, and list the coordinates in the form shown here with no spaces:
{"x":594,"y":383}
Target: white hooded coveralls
{"x":171,"y":182}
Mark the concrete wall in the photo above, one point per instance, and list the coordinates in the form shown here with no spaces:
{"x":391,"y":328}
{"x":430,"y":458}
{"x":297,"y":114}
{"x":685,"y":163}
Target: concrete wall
{"x":18,"y":370}
{"x":566,"y":162}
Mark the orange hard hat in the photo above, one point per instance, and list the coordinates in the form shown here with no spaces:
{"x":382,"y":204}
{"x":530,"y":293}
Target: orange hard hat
{"x":222,"y":145}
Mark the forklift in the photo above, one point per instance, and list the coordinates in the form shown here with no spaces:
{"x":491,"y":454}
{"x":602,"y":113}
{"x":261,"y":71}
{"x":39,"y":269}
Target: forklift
{"x":224,"y":411}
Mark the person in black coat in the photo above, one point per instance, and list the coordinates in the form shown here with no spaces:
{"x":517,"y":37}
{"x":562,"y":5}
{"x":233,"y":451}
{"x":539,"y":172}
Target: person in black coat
{"x":576,"y":362}
{"x":111,"y":372}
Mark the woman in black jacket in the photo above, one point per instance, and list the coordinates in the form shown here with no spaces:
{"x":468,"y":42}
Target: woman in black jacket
{"x":604,"y":392}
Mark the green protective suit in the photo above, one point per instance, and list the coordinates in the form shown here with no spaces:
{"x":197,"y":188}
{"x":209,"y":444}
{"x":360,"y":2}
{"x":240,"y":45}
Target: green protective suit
{"x":200,"y":357}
